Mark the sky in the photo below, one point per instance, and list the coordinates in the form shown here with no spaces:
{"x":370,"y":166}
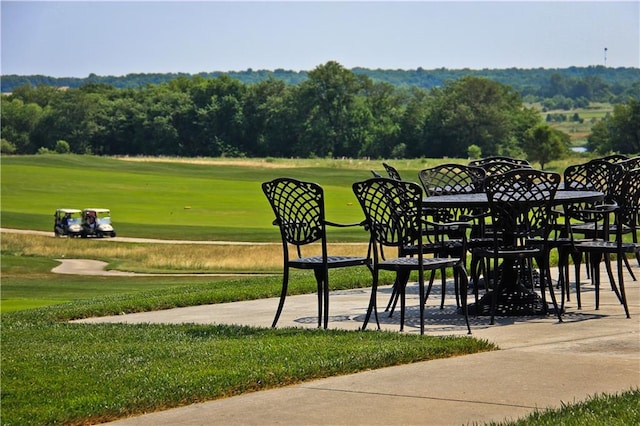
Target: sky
{"x":77,"y":38}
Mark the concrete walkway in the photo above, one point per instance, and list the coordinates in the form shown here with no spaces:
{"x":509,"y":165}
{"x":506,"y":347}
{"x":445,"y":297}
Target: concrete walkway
{"x":542,"y":363}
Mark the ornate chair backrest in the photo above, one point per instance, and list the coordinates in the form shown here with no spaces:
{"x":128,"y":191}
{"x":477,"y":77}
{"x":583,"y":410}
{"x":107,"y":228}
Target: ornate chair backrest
{"x":629,"y":202}
{"x":451,"y":179}
{"x":595,"y":175}
{"x":498,"y":167}
{"x":631,"y":163}
{"x":614,"y":158}
{"x":520,"y":202}
{"x":392,"y":171}
{"x":448,"y":179}
{"x":393,"y":210}
{"x":481,"y":162}
{"x":299,"y":210}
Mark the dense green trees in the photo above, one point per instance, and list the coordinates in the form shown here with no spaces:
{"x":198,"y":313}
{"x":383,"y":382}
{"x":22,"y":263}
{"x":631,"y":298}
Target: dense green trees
{"x":619,"y":132}
{"x":569,"y":86}
{"x":334,"y":112}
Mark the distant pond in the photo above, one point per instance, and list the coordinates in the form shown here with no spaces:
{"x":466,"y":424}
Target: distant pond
{"x":579,"y":149}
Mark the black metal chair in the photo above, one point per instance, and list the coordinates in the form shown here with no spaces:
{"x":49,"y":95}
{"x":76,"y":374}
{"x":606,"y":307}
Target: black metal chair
{"x":520,"y":203}
{"x":581,"y":219}
{"x":395,"y":220}
{"x":630,"y":164}
{"x":300,"y":214}
{"x":392,"y":171}
{"x":449,"y":179}
{"x":627,"y":217}
{"x":497,"y":158}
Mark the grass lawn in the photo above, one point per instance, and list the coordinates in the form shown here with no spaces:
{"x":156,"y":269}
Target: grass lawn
{"x":55,"y":372}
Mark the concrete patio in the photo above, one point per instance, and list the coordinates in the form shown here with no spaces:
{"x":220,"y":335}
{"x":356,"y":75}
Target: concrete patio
{"x":542,"y":363}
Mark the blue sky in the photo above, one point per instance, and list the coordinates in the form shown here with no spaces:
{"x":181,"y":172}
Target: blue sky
{"x":74,"y":38}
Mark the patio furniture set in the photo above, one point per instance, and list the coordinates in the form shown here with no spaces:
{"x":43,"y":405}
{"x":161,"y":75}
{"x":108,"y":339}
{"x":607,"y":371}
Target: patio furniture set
{"x":498,"y":215}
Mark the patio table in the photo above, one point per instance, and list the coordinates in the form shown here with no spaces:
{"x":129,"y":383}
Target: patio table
{"x":517,"y":299}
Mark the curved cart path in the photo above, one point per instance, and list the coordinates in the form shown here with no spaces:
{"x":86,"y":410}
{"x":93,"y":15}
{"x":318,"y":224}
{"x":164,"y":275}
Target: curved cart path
{"x":144,"y":240}
{"x":98,"y":268}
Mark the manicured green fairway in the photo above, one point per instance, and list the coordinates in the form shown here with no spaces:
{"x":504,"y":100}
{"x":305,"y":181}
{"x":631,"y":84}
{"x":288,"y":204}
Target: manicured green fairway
{"x":169,"y":200}
{"x":214,"y":199}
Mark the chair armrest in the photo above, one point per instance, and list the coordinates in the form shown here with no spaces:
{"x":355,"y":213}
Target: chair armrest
{"x":344,"y":225}
{"x":470,"y":217}
{"x":601,"y":208}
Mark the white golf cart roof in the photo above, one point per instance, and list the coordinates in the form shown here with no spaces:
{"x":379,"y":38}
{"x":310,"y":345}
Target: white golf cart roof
{"x":97,"y":210}
{"x":70,"y":211}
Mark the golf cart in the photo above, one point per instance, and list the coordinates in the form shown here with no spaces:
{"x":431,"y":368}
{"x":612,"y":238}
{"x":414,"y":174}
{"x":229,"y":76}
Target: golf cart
{"x":67,"y":223}
{"x":97,"y":223}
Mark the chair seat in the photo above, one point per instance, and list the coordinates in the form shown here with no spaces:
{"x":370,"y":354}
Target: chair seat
{"x":332,"y":262}
{"x":445,"y":246}
{"x":510,"y":253}
{"x":427,"y":262}
{"x":608,"y":246}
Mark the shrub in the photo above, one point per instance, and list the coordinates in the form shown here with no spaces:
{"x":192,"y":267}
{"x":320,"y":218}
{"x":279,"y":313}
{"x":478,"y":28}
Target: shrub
{"x":62,"y":147}
{"x":7,"y":147}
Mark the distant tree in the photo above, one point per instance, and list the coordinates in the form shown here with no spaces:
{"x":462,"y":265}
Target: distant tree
{"x":333,"y":119}
{"x":19,"y":119}
{"x":475,"y":111}
{"x":543,"y":144}
{"x":618,"y":132}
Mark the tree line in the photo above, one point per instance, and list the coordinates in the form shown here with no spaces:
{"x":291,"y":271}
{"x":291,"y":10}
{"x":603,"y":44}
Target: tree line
{"x":558,"y":87}
{"x":333,"y":112}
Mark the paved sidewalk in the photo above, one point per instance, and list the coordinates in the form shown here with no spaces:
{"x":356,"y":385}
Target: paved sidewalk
{"x":542,"y":363}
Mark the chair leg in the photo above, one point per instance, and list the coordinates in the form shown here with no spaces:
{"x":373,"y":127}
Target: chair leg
{"x":373,"y":302}
{"x":443,"y":279}
{"x":496,"y":288}
{"x":422,"y":300}
{"x":594,"y":262}
{"x":563,"y":273}
{"x":430,"y":286}
{"x":628,"y":265}
{"x":621,"y":284}
{"x":326,"y":298}
{"x":393,"y":299}
{"x":403,"y":278}
{"x":563,"y":276}
{"x":320,"y":288}
{"x":464,"y":282}
{"x":283,"y":295}
{"x":545,"y":280}
{"x":612,"y":281}
{"x":576,"y":262}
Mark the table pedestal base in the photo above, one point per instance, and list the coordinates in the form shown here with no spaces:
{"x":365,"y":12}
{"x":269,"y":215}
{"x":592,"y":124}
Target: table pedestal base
{"x":514,"y":303}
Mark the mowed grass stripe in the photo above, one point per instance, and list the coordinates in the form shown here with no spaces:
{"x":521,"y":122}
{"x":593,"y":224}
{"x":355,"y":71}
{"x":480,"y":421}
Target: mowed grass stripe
{"x":187,"y":198}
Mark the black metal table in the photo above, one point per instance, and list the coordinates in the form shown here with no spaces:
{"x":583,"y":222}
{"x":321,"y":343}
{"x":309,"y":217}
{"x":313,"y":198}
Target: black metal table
{"x":516,"y":298}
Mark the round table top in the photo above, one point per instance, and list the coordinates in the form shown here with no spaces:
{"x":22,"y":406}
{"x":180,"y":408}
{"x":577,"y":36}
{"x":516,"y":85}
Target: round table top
{"x":479,"y":199}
